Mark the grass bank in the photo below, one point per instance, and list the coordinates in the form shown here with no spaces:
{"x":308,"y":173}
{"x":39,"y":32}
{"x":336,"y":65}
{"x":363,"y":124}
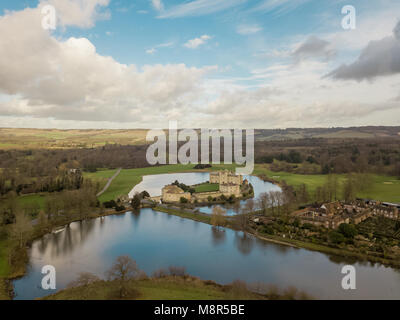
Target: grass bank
{"x":200,"y":217}
{"x":168,"y":288}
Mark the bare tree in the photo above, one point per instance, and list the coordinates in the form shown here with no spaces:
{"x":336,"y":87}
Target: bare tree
{"x":123,"y":270}
{"x":263,"y":202}
{"x":21,"y":229}
{"x":218,"y":216}
{"x":249,"y":206}
{"x":84,"y":279}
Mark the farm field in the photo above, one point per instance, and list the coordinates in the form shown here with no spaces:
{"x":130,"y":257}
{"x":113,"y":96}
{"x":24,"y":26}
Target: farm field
{"x":64,"y":139}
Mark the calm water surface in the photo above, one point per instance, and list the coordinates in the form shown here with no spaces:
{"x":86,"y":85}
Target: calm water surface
{"x":156,"y":240}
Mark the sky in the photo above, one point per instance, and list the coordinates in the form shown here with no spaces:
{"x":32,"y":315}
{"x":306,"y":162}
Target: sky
{"x":205,"y":63}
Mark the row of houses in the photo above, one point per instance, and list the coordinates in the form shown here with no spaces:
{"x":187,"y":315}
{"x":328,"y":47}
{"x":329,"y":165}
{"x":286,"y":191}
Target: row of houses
{"x":332,"y":215}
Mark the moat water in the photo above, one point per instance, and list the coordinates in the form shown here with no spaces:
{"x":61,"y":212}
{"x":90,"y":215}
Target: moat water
{"x":157,"y":240}
{"x":154,"y":183}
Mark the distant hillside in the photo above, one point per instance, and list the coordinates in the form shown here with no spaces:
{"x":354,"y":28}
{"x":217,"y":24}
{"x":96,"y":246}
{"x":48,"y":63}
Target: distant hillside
{"x":11,"y":138}
{"x":328,"y":133}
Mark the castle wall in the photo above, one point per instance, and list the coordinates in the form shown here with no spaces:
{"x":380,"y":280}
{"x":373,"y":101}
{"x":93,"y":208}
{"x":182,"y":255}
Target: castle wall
{"x":225,"y":177}
{"x":175,"y":197}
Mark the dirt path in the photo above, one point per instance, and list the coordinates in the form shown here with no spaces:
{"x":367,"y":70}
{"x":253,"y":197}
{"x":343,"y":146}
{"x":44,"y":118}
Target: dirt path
{"x":109,"y":182}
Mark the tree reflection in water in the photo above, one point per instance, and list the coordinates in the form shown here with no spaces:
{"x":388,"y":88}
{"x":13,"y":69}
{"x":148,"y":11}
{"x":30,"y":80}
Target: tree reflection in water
{"x":68,"y":239}
{"x":244,"y":243}
{"x":218,"y":236}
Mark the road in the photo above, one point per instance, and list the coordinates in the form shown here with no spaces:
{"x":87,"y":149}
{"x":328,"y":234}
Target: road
{"x":109,"y":182}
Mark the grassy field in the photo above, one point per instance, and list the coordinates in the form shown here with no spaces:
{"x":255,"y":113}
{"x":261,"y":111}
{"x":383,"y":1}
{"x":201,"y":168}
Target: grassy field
{"x":312,"y":181}
{"x":32,"y":198}
{"x":100,"y":176}
{"x":206,"y":187}
{"x":383,"y":188}
{"x":128,"y":178}
{"x":171,"y":288}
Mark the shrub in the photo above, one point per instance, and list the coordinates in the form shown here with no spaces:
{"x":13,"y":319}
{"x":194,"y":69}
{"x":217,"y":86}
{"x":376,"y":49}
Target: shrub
{"x":110,"y":204}
{"x":348,"y":230}
{"x":336,"y":237}
{"x":183,"y":200}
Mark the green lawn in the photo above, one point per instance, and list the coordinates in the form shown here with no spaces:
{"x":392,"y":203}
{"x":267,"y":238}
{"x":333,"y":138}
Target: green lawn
{"x":31,"y":198}
{"x":383,"y":188}
{"x":206,"y":187}
{"x":128,"y":178}
{"x":312,"y":181}
{"x":100,"y":176}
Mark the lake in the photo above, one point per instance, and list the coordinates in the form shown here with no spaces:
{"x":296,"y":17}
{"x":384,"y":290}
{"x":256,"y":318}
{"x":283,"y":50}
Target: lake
{"x":158,"y":240}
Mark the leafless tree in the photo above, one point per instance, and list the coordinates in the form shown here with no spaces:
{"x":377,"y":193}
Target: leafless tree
{"x":263,"y":202}
{"x":218,"y":216}
{"x":84,"y":279}
{"x":21,"y":229}
{"x":123,"y":270}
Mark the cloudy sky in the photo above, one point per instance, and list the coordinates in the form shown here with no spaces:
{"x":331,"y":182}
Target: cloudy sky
{"x":204,"y":63}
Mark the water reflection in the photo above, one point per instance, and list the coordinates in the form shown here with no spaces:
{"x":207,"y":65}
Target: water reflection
{"x":218,"y":235}
{"x":156,"y":240}
{"x":244,"y":242}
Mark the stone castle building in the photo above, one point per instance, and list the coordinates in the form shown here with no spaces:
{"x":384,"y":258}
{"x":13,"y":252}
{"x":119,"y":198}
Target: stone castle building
{"x":173,"y":193}
{"x":230,"y":184}
{"x":226,"y":177}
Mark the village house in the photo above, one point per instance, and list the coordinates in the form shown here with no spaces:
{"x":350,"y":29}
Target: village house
{"x":332,"y":215}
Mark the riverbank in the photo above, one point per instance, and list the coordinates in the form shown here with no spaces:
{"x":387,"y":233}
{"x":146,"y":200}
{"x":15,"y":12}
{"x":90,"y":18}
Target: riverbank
{"x":165,"y":288}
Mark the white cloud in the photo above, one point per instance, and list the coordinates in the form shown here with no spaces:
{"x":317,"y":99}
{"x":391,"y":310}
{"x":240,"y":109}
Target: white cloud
{"x":68,"y":80}
{"x":200,"y":7}
{"x":157,"y":4}
{"x":151,"y":51}
{"x":195,"y":43}
{"x":248,"y":29}
{"x":79,"y":13}
{"x":280,"y":7}
{"x":48,"y":81}
{"x":162,"y":45}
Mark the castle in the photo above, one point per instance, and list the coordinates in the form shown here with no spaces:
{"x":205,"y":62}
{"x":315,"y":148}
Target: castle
{"x":229,"y":183}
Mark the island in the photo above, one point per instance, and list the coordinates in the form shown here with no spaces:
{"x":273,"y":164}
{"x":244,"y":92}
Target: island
{"x":222,"y":186}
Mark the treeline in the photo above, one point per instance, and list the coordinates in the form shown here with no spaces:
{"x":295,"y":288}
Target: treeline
{"x":33,"y":171}
{"x":310,"y":156}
